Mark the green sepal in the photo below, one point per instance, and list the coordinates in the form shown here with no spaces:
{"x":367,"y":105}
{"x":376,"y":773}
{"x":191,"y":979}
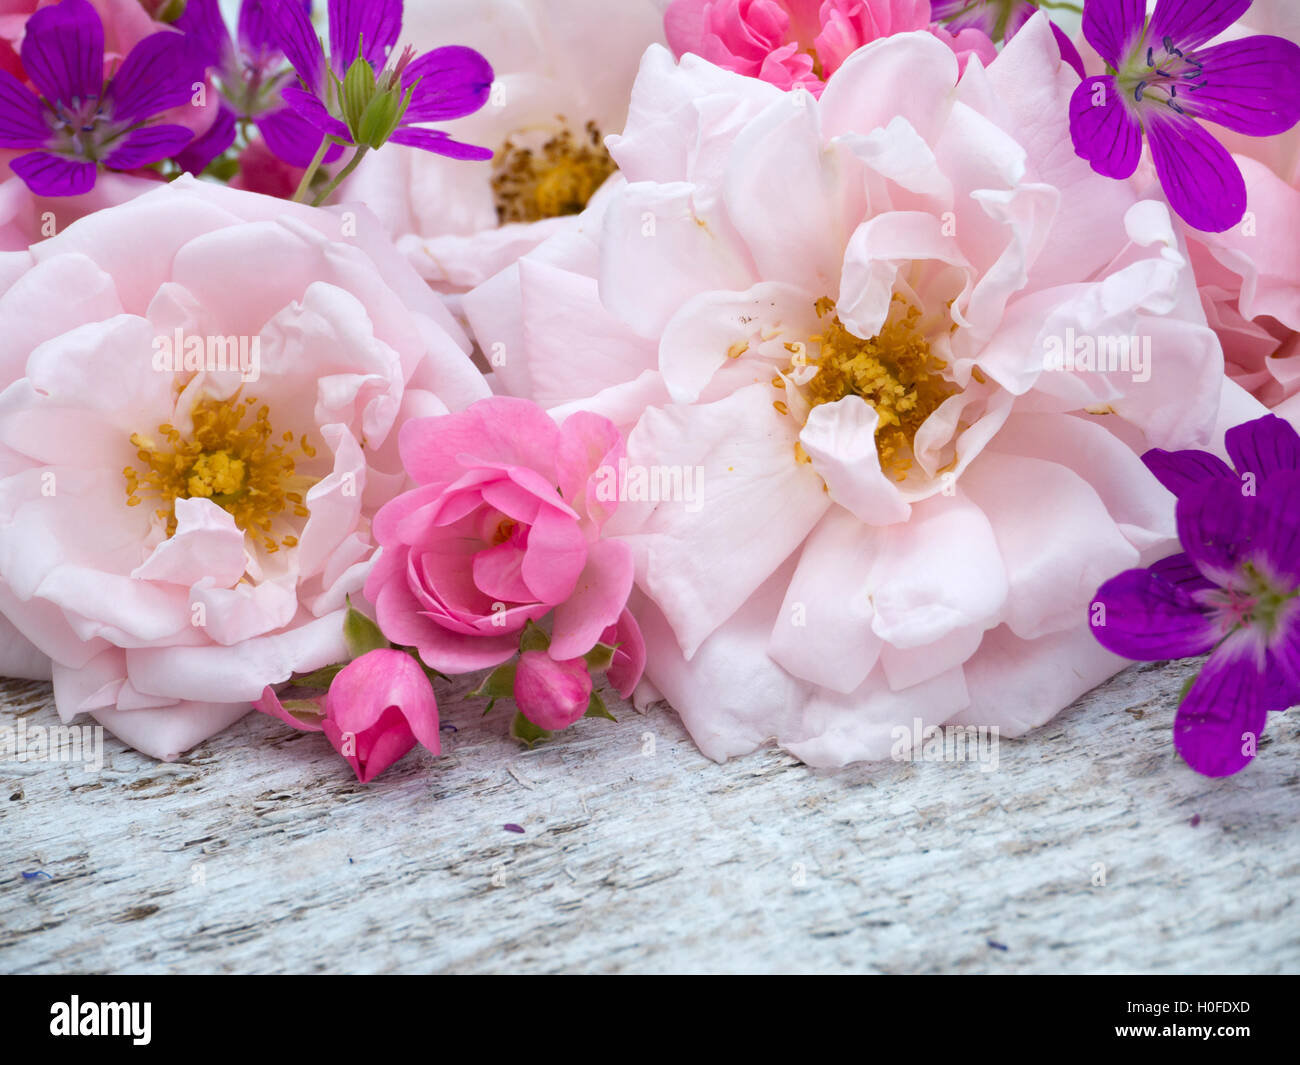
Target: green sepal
{"x":307,"y":711}
{"x":356,"y":92}
{"x":597,"y":708}
{"x":321,"y":678}
{"x":527,"y":733}
{"x":499,"y":684}
{"x":361,"y":634}
{"x":598,"y":659}
{"x":533,"y":638}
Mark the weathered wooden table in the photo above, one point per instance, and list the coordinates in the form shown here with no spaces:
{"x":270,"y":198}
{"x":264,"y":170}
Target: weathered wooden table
{"x":1091,"y":848}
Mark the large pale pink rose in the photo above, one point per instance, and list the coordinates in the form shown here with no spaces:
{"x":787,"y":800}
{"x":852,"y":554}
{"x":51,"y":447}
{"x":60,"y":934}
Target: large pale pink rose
{"x":175,"y":540}
{"x":840,"y":314}
{"x":564,"y":69}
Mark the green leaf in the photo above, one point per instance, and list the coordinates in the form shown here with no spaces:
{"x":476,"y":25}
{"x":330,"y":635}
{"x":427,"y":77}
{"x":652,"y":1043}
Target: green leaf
{"x":534,"y":638}
{"x":322,"y":678}
{"x":499,"y":684}
{"x":599,"y":657}
{"x":527,"y":733}
{"x":597,"y":708}
{"x":361,"y":633}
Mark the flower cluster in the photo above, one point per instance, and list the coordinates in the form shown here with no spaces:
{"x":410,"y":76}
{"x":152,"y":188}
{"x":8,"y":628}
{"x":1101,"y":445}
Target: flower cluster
{"x":823,"y":367}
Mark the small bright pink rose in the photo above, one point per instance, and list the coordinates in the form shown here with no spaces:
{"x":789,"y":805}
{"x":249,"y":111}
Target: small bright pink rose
{"x":552,"y":694}
{"x":261,"y":170}
{"x":795,"y":42}
{"x":629,"y":654}
{"x":378,"y":707}
{"x":504,"y":527}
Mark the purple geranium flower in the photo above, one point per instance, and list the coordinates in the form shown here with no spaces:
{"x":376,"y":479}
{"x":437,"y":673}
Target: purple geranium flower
{"x":250,"y":72}
{"x":355,"y":98}
{"x":999,"y":20}
{"x":1234,"y":592}
{"x":1162,"y":80}
{"x":79,"y":122}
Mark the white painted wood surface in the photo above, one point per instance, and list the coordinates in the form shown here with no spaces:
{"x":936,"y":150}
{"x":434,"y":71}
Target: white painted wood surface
{"x":259,"y":852}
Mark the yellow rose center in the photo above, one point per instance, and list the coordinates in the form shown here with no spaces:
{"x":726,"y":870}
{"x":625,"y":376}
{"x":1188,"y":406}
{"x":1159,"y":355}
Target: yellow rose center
{"x":556,"y":179}
{"x":230,"y":458}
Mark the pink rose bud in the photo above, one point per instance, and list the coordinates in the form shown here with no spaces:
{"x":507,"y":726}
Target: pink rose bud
{"x":551,"y":694}
{"x":378,"y":707}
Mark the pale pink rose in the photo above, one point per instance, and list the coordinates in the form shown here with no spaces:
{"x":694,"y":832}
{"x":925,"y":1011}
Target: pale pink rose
{"x":377,"y":708}
{"x":563,"y":68}
{"x":801,"y":43}
{"x":504,"y":527}
{"x":552,"y":694}
{"x":176,"y":540}
{"x":839,"y":315}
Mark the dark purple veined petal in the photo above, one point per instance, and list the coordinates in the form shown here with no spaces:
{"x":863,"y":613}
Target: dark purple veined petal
{"x":1252,"y":86}
{"x":291,"y":28}
{"x":309,"y":107}
{"x":1068,"y":51}
{"x":449,"y":83}
{"x":1113,"y":26}
{"x":257,"y":38}
{"x":63,"y":51}
{"x":292,"y":138}
{"x":432,"y":140}
{"x":1103,"y":130}
{"x":1280,"y":684}
{"x":1150,"y":615}
{"x":159,"y":73}
{"x":22,"y":117}
{"x":48,"y":174}
{"x":1277,"y":540}
{"x":1218,"y":524}
{"x":1182,"y":471}
{"x":1221,"y":718}
{"x":1198,"y":175}
{"x":1264,"y":446}
{"x":206,"y":31}
{"x":958,"y":15}
{"x":148,"y":144}
{"x":196,"y":156}
{"x":363,"y":27}
{"x":1191,"y":22}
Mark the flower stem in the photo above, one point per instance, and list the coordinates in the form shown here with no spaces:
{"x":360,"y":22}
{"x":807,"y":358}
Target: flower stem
{"x":300,"y":195}
{"x":341,"y":176}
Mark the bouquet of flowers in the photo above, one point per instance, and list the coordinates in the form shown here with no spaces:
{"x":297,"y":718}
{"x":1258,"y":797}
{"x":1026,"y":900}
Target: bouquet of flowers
{"x":817,"y":366}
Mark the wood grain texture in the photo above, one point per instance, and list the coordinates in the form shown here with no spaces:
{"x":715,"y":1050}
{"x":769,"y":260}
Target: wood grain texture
{"x":260,"y":853}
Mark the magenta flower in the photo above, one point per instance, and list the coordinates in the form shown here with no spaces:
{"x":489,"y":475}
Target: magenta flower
{"x":377,"y":708}
{"x":1234,"y":592}
{"x":80,"y":122}
{"x":552,"y":694}
{"x":1162,"y":81}
{"x":1000,"y":20}
{"x":249,"y":71}
{"x":356,"y":98}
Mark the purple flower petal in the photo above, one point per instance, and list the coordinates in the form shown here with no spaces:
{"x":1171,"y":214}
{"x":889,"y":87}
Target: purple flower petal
{"x":206,"y":31}
{"x":449,"y":83}
{"x":22,"y":117}
{"x":1191,"y":22}
{"x":433,"y":140}
{"x":1103,"y":130}
{"x":310,"y":108}
{"x":1265,"y":446}
{"x":1198,"y":175}
{"x":63,"y":51}
{"x":363,"y":27}
{"x":292,"y":138}
{"x":48,"y":174}
{"x":158,"y":74}
{"x":199,"y":153}
{"x":1280,"y":685}
{"x":1221,"y":718}
{"x":148,"y":144}
{"x":1151,"y":615}
{"x":292,"y":30}
{"x":1252,"y":86}
{"x":1112,"y":26}
{"x":1181,"y":471}
{"x":257,"y":38}
{"x":1218,"y":524}
{"x":1068,"y":51}
{"x":960,"y":15}
{"x":1277,"y":538}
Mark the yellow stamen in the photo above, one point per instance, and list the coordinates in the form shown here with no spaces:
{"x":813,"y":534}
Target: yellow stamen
{"x":557,"y":179}
{"x":228,"y":459}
